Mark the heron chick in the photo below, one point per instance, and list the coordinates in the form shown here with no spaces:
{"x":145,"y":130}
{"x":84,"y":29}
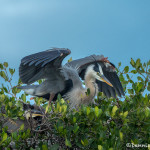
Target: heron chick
{"x":98,"y":73}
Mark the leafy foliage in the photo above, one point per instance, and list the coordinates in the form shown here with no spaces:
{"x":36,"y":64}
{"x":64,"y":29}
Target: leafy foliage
{"x":107,"y":125}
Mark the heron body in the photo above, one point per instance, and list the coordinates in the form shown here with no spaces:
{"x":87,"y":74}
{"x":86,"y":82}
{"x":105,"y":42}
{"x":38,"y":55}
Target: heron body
{"x":78,"y":94}
{"x":98,"y":73}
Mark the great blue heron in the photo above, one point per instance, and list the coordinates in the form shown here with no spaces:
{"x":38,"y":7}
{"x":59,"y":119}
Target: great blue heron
{"x":98,"y":73}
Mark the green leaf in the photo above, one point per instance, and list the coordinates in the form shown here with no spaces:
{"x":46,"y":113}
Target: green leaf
{"x":20,"y":113}
{"x":75,"y":129}
{"x":39,"y":81}
{"x":148,"y":63}
{"x":140,"y":78}
{"x":100,"y":147}
{"x":128,"y":77}
{"x":132,"y":62}
{"x":125,"y":114}
{"x":2,"y":97}
{"x":74,"y":119}
{"x":148,"y":87}
{"x":88,"y":92}
{"x":23,"y":97}
{"x":100,"y":112}
{"x":47,"y":107}
{"x":119,"y":64}
{"x":138,"y":63}
{"x":121,"y":135}
{"x":5,"y":64}
{"x":1,"y":66}
{"x":60,"y":128}
{"x":96,"y":111}
{"x":11,"y":71}
{"x":14,"y":135}
{"x":88,"y":110}
{"x":5,"y":89}
{"x":70,"y":59}
{"x":3,"y":75}
{"x":64,"y":108}
{"x":14,"y":90}
{"x":22,"y":127}
{"x":60,"y":109}
{"x":4,"y":137}
{"x":126,"y":69}
{"x":10,"y":104}
{"x":84,"y":142}
{"x":59,"y":97}
{"x":114,"y":110}
{"x":44,"y":147}
{"x":121,"y":77}
{"x":139,"y":86}
{"x":131,"y":91}
{"x":147,"y":112}
{"x":68,"y":143}
{"x":134,"y":71}
{"x":19,"y":81}
{"x":62,"y":101}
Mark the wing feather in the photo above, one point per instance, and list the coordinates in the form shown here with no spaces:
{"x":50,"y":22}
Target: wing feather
{"x":41,"y":65}
{"x":38,"y":56}
{"x":113,"y":81}
{"x":108,"y":70}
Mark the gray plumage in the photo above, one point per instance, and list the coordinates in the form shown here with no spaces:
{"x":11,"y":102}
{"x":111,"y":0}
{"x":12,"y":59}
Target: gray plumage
{"x":97,"y":73}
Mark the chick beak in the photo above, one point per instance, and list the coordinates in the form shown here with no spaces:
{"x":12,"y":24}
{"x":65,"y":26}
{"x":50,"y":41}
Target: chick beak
{"x":29,"y":114}
{"x":35,"y":115}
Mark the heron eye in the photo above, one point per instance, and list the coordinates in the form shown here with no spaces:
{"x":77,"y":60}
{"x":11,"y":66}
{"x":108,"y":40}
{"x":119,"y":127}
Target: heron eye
{"x":99,"y":74}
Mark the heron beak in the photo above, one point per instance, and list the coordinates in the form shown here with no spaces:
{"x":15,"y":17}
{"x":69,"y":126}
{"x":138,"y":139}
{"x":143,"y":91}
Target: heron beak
{"x":104,"y":79}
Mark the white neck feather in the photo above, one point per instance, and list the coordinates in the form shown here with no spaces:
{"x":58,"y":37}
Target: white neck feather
{"x":78,"y":96}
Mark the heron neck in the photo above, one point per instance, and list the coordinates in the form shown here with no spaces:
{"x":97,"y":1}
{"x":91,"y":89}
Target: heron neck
{"x":90,"y":84}
{"x":78,"y":95}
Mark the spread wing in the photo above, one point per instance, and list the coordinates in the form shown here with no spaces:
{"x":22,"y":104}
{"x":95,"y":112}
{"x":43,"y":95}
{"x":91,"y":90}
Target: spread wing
{"x":42,"y":65}
{"x":108,"y":70}
{"x":83,"y":63}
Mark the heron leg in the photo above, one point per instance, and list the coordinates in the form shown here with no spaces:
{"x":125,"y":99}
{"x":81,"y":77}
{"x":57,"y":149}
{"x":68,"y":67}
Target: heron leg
{"x":52,"y":95}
